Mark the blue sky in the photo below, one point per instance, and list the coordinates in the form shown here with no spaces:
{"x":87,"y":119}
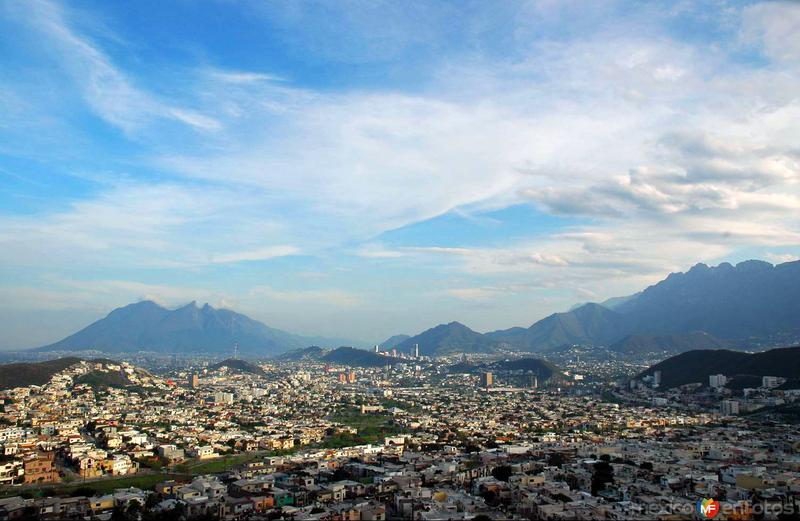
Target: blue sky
{"x":360,"y":169}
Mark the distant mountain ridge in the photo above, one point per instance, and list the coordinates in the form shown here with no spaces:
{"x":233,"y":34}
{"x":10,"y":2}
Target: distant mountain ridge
{"x":753,"y":303}
{"x":147,"y":326}
{"x":588,"y":324}
{"x":677,"y":342}
{"x":393,"y":341}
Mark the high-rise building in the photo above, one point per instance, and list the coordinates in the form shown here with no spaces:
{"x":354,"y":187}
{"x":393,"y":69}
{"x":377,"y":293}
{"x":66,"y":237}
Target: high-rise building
{"x":770,"y":382}
{"x":416,"y":350}
{"x":534,"y":383}
{"x":223,"y":397}
{"x":376,"y":348}
{"x":342,"y":378}
{"x":487,"y":379}
{"x":656,"y":378}
{"x":717,"y":380}
{"x":394,"y":353}
{"x":729,"y":407}
{"x":351,"y":377}
{"x":194,"y":381}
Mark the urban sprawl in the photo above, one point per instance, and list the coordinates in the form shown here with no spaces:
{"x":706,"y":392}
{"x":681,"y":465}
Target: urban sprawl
{"x":415,"y":440}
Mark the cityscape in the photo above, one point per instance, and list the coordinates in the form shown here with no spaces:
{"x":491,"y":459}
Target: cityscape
{"x":427,"y":260}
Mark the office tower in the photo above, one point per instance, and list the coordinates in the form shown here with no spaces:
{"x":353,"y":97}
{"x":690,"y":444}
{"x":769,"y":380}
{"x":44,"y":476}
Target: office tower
{"x":416,"y":350}
{"x":342,"y":378}
{"x":351,"y":377}
{"x":487,"y":379}
{"x":656,"y":378}
{"x":194,"y":381}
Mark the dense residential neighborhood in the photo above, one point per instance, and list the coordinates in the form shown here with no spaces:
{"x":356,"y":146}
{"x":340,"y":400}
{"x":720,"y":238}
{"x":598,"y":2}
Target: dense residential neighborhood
{"x":416,"y":440}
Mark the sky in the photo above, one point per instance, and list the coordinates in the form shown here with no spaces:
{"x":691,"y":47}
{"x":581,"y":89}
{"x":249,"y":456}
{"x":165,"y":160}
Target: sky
{"x":364,"y":168}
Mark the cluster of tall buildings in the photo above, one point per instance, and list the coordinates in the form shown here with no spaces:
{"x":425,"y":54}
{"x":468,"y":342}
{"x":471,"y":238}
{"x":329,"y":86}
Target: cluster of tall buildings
{"x":348,"y":377}
{"x":414,"y":354}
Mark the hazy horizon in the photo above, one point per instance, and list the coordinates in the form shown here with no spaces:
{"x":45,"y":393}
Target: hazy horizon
{"x":360,"y":170}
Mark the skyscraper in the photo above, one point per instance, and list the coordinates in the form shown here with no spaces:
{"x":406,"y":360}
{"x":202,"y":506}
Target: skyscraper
{"x":194,"y":381}
{"x":487,"y":379}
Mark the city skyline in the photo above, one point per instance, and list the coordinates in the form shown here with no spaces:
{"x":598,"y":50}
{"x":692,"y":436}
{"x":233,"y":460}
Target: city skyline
{"x":362,"y":170}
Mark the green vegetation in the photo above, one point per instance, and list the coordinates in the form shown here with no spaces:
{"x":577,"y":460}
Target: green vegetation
{"x":97,"y":487}
{"x":372,"y":427}
{"x":34,"y":373}
{"x":216,"y":465}
{"x":101,"y":380}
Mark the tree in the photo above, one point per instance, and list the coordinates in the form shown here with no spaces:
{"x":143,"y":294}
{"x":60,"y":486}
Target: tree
{"x":502,"y":473}
{"x":602,"y":473}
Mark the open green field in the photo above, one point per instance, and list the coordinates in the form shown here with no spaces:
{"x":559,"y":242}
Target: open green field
{"x":217,"y":465}
{"x":372,"y":427}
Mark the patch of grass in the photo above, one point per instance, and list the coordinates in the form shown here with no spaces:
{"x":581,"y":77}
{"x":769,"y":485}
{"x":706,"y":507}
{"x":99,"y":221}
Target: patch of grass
{"x":98,"y":487}
{"x":372,"y":427}
{"x":221,"y":464}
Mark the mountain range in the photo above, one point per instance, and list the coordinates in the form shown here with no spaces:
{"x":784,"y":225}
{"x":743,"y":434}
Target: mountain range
{"x":750,"y":305}
{"x":147,"y":326}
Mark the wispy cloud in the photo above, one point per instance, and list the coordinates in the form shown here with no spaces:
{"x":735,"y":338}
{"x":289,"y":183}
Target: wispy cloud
{"x":110,"y":92}
{"x":659,"y":150}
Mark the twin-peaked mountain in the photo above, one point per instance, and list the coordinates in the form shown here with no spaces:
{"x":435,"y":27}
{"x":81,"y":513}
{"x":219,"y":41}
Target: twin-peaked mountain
{"x":147,"y":326}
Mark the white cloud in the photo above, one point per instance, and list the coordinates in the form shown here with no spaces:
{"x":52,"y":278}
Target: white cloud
{"x":269,"y":252}
{"x":667,"y":152}
{"x":775,"y":26}
{"x":110,"y":93}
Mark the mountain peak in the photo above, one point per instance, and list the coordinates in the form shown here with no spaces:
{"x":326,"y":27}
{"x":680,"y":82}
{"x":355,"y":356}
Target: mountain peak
{"x":699,"y":268}
{"x":146,"y":326}
{"x":754,"y":266}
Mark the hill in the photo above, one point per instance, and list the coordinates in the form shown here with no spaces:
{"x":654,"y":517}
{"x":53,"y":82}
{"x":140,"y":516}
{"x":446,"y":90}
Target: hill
{"x":696,"y":366}
{"x":543,"y":369}
{"x":448,"y":339}
{"x":99,"y":380}
{"x":674,"y":343}
{"x":238,"y":366}
{"x":351,"y":356}
{"x":146,"y":326}
{"x":32,"y":373}
{"x":297,"y":355}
